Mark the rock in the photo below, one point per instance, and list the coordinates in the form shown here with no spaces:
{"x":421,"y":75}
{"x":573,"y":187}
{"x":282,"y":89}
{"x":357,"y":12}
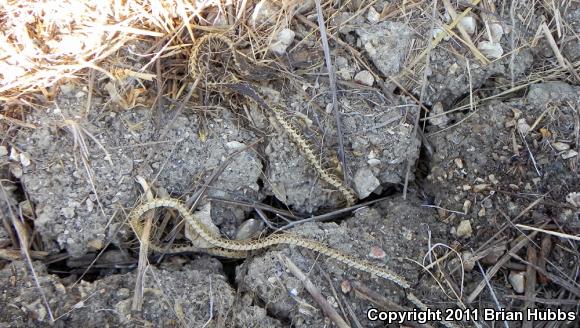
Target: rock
{"x":365,"y":78}
{"x":569,"y":154}
{"x":517,"y":280}
{"x":24,"y":159}
{"x":492,"y":50}
{"x":365,"y":182}
{"x":468,"y":260}
{"x":464,"y":229}
{"x":283,"y":39}
{"x":468,"y":24}
{"x":523,"y":126}
{"x":387,"y":44}
{"x":437,"y":116}
{"x":248,"y":229}
{"x":264,"y":13}
{"x":373,"y":16}
{"x":3,"y":151}
{"x":377,"y":253}
{"x":560,"y":146}
{"x":496,"y":31}
{"x":574,"y":199}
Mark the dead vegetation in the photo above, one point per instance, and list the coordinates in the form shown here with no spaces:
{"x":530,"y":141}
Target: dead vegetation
{"x":134,"y":54}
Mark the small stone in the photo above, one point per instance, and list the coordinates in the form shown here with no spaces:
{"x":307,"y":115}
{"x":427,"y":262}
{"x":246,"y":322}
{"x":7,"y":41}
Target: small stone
{"x":345,"y":287}
{"x":377,"y":253}
{"x":364,"y":77}
{"x":264,"y":12}
{"x":523,"y":127}
{"x":493,"y":179}
{"x":365,"y":182}
{"x":437,"y":115}
{"x":569,"y":154}
{"x":24,"y":159}
{"x":374,"y":162}
{"x":464,"y":229}
{"x":494,"y":254}
{"x":283,"y":39}
{"x":234,"y":145}
{"x":3,"y":151}
{"x":466,"y":206}
{"x":574,"y":199}
{"x":26,"y":208}
{"x":492,"y":50}
{"x":67,"y":89}
{"x":16,"y":170}
{"x":458,"y":163}
{"x":468,"y":24}
{"x":249,"y":229}
{"x":90,"y":205}
{"x":560,"y":146}
{"x":466,"y":187}
{"x":14,"y":155}
{"x":480,"y":187}
{"x":517,"y":280}
{"x":68,"y":212}
{"x":468,"y":260}
{"x":373,"y":16}
{"x":481,"y":212}
{"x":496,"y":31}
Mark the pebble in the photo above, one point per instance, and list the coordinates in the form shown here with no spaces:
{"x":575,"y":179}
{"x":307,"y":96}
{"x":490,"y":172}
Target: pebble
{"x":517,"y":280}
{"x":468,"y":260}
{"x":490,"y":49}
{"x":560,"y":146}
{"x":3,"y":151}
{"x":574,"y":199}
{"x":496,"y":31}
{"x":373,"y":16}
{"x":569,"y":154}
{"x":480,"y":187}
{"x":283,"y":39}
{"x":345,"y":287}
{"x":464,"y":229}
{"x":264,"y":12}
{"x":24,"y":159}
{"x":468,"y":24}
{"x":364,"y":77}
{"x":437,"y":116}
{"x":459,"y":162}
{"x":248,"y":229}
{"x":377,"y":253}
{"x":365,"y":182}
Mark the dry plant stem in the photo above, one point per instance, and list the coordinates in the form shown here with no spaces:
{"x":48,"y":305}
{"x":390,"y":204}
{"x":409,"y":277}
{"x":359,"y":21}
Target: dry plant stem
{"x":530,"y":291}
{"x":545,"y":249}
{"x":334,"y":293}
{"x":332,"y":82}
{"x":232,"y":246}
{"x":328,"y":310}
{"x":137,"y":302}
{"x":366,"y":293}
{"x":523,"y":241}
{"x":421,"y":97}
{"x":24,"y":242}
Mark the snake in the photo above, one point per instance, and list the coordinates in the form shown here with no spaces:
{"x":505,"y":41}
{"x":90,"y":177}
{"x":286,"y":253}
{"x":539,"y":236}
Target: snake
{"x":240,"y":248}
{"x":198,"y":68}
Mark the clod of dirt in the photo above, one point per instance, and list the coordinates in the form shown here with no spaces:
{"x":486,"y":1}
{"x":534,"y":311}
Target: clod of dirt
{"x":171,"y":297}
{"x":391,"y":227}
{"x":492,"y":172}
{"x":386,"y":44}
{"x":82,"y":169}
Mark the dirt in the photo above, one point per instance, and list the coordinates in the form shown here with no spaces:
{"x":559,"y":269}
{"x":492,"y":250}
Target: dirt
{"x":485,"y":158}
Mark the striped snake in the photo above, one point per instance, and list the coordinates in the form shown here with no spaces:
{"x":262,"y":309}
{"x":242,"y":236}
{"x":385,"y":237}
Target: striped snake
{"x":240,"y":248}
{"x":199,"y":68}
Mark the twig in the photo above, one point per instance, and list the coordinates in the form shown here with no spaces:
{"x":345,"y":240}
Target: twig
{"x":426,"y":71}
{"x":523,"y":241}
{"x":328,"y":310}
{"x":553,"y":233}
{"x":495,"y":300}
{"x":530,"y":291}
{"x":332,"y":80}
{"x":366,"y":293}
{"x":24,"y":242}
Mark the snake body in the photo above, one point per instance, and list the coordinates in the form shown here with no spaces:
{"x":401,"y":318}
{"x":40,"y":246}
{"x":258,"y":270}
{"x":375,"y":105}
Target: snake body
{"x":198,"y":69}
{"x":240,"y":248}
